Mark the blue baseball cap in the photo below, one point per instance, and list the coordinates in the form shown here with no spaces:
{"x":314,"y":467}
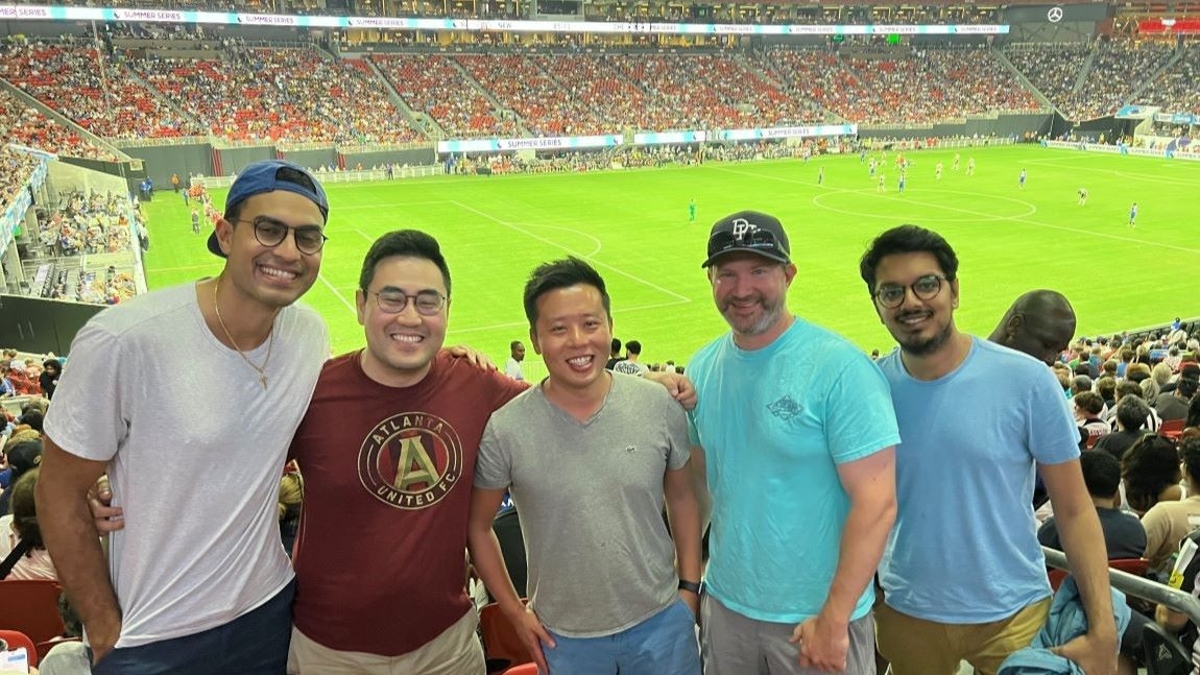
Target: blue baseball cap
{"x":269,"y":176}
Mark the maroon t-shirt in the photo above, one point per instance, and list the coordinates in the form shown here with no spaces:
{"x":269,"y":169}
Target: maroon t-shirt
{"x":388,"y":471}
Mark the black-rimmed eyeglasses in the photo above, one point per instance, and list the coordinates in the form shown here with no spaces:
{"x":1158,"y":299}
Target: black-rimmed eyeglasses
{"x":427,"y":303}
{"x":271,"y":233}
{"x":891,"y":296}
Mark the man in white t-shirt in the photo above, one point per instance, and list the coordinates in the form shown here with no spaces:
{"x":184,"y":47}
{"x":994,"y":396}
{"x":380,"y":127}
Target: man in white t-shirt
{"x":512,"y":367}
{"x":631,"y":365}
{"x":188,"y":398}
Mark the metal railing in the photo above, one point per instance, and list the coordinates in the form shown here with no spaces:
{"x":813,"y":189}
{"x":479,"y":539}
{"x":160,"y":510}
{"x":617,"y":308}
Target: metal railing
{"x":1138,"y":587}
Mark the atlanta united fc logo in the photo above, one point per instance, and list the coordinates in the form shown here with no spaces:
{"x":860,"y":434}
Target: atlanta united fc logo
{"x":411,"y":460}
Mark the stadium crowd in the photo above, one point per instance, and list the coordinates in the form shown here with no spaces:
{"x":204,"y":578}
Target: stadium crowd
{"x":25,"y":125}
{"x":288,"y":95}
{"x":17,"y":169}
{"x":98,"y":94}
{"x":87,"y":223}
{"x":300,"y":95}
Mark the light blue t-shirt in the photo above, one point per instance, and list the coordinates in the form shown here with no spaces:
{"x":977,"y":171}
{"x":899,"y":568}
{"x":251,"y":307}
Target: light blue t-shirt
{"x":775,"y":423}
{"x":964,"y":548}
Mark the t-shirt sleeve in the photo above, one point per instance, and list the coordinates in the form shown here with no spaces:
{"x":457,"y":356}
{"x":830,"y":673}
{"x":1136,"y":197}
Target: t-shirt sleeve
{"x":859,"y":417}
{"x":493,"y":466}
{"x":693,"y":434}
{"x":87,"y":418}
{"x":1053,"y":435}
{"x":1157,"y":525}
{"x":678,"y":435}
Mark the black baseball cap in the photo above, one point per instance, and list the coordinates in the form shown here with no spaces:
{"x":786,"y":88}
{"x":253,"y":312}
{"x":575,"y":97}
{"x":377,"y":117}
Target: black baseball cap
{"x":749,"y":231}
{"x":269,"y":176}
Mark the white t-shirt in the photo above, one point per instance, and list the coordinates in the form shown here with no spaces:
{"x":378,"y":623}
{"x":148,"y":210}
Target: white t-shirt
{"x":512,"y":368}
{"x":195,"y":447}
{"x":630,"y":368}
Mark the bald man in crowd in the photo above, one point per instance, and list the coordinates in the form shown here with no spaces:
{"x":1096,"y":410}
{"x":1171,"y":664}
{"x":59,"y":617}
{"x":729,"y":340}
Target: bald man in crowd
{"x":1040,"y":323}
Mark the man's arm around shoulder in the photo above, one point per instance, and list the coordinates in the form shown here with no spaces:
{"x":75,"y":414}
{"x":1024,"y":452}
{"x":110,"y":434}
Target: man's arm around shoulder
{"x":74,"y":543}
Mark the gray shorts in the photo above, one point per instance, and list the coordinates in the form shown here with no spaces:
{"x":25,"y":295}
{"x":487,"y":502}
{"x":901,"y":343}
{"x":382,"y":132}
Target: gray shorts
{"x":732,"y":644}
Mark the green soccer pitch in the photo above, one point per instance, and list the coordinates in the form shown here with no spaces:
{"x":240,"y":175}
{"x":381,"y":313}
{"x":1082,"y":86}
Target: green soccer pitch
{"x":633,"y":227}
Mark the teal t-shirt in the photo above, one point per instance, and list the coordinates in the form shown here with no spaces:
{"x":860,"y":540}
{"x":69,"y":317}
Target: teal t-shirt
{"x":774,"y":424}
{"x":964,"y":548}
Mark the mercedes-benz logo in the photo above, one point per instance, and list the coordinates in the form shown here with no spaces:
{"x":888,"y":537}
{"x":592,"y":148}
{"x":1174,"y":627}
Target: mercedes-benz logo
{"x":1055,"y":14}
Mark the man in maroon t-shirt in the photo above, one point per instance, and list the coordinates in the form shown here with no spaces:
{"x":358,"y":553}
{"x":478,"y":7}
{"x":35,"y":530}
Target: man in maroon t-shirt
{"x":388,"y":453}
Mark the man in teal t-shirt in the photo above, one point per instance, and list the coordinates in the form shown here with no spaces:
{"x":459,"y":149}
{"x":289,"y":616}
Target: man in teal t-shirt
{"x":797,"y":430}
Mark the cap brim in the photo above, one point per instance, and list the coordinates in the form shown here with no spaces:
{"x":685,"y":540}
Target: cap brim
{"x":214,"y":246}
{"x":757,"y":251}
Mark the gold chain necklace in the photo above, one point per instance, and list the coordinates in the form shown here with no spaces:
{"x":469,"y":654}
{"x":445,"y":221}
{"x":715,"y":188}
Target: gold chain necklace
{"x":262,"y":372}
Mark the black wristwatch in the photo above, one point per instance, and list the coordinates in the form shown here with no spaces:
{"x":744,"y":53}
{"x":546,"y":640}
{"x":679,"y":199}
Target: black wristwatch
{"x":693,"y":586}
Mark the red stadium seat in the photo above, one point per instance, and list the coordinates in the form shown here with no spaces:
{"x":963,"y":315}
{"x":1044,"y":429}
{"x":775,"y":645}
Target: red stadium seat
{"x":31,"y":607}
{"x":15,"y":638}
{"x":501,"y":642}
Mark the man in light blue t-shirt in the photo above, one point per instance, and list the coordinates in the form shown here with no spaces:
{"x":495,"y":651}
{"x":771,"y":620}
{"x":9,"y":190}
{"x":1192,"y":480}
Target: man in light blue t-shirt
{"x":963,"y":576}
{"x":797,"y":430}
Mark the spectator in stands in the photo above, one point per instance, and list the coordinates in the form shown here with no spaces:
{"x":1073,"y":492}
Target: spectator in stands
{"x":1088,"y":406}
{"x":1173,"y":405}
{"x":180,"y":584}
{"x":23,"y":457}
{"x":1124,"y":536}
{"x":1151,"y":473}
{"x":516,"y":354}
{"x":636,"y":615}
{"x":25,"y":540}
{"x":1128,"y":388}
{"x":24,"y":385}
{"x":614,"y":355}
{"x":51,"y":371}
{"x":1040,"y":323}
{"x":1167,"y":522}
{"x":1160,"y":374}
{"x":1080,"y":384}
{"x":1106,"y":387}
{"x":1131,"y":414}
{"x":778,"y":427}
{"x":68,"y":656}
{"x":631,"y":365}
{"x":291,"y":499}
{"x":7,"y":388}
{"x":996,"y":410}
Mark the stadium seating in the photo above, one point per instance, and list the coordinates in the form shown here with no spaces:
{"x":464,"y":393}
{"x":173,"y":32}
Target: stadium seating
{"x":31,"y":607}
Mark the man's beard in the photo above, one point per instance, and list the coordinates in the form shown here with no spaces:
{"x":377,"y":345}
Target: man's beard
{"x":926,"y":346}
{"x":770,"y":315}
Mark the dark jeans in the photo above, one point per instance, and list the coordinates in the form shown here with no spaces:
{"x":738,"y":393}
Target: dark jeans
{"x":255,"y":643}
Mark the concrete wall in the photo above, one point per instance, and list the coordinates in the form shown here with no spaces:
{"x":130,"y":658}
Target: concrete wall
{"x":233,"y":160}
{"x":1003,"y":126}
{"x":311,"y":158}
{"x":161,"y":161}
{"x":413,"y":157}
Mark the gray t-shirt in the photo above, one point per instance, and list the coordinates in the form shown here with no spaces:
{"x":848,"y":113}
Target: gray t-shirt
{"x":195,"y":447}
{"x":591,"y":499}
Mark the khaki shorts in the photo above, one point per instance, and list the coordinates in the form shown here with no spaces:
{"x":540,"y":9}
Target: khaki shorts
{"x":455,"y":652}
{"x":918,"y":647}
